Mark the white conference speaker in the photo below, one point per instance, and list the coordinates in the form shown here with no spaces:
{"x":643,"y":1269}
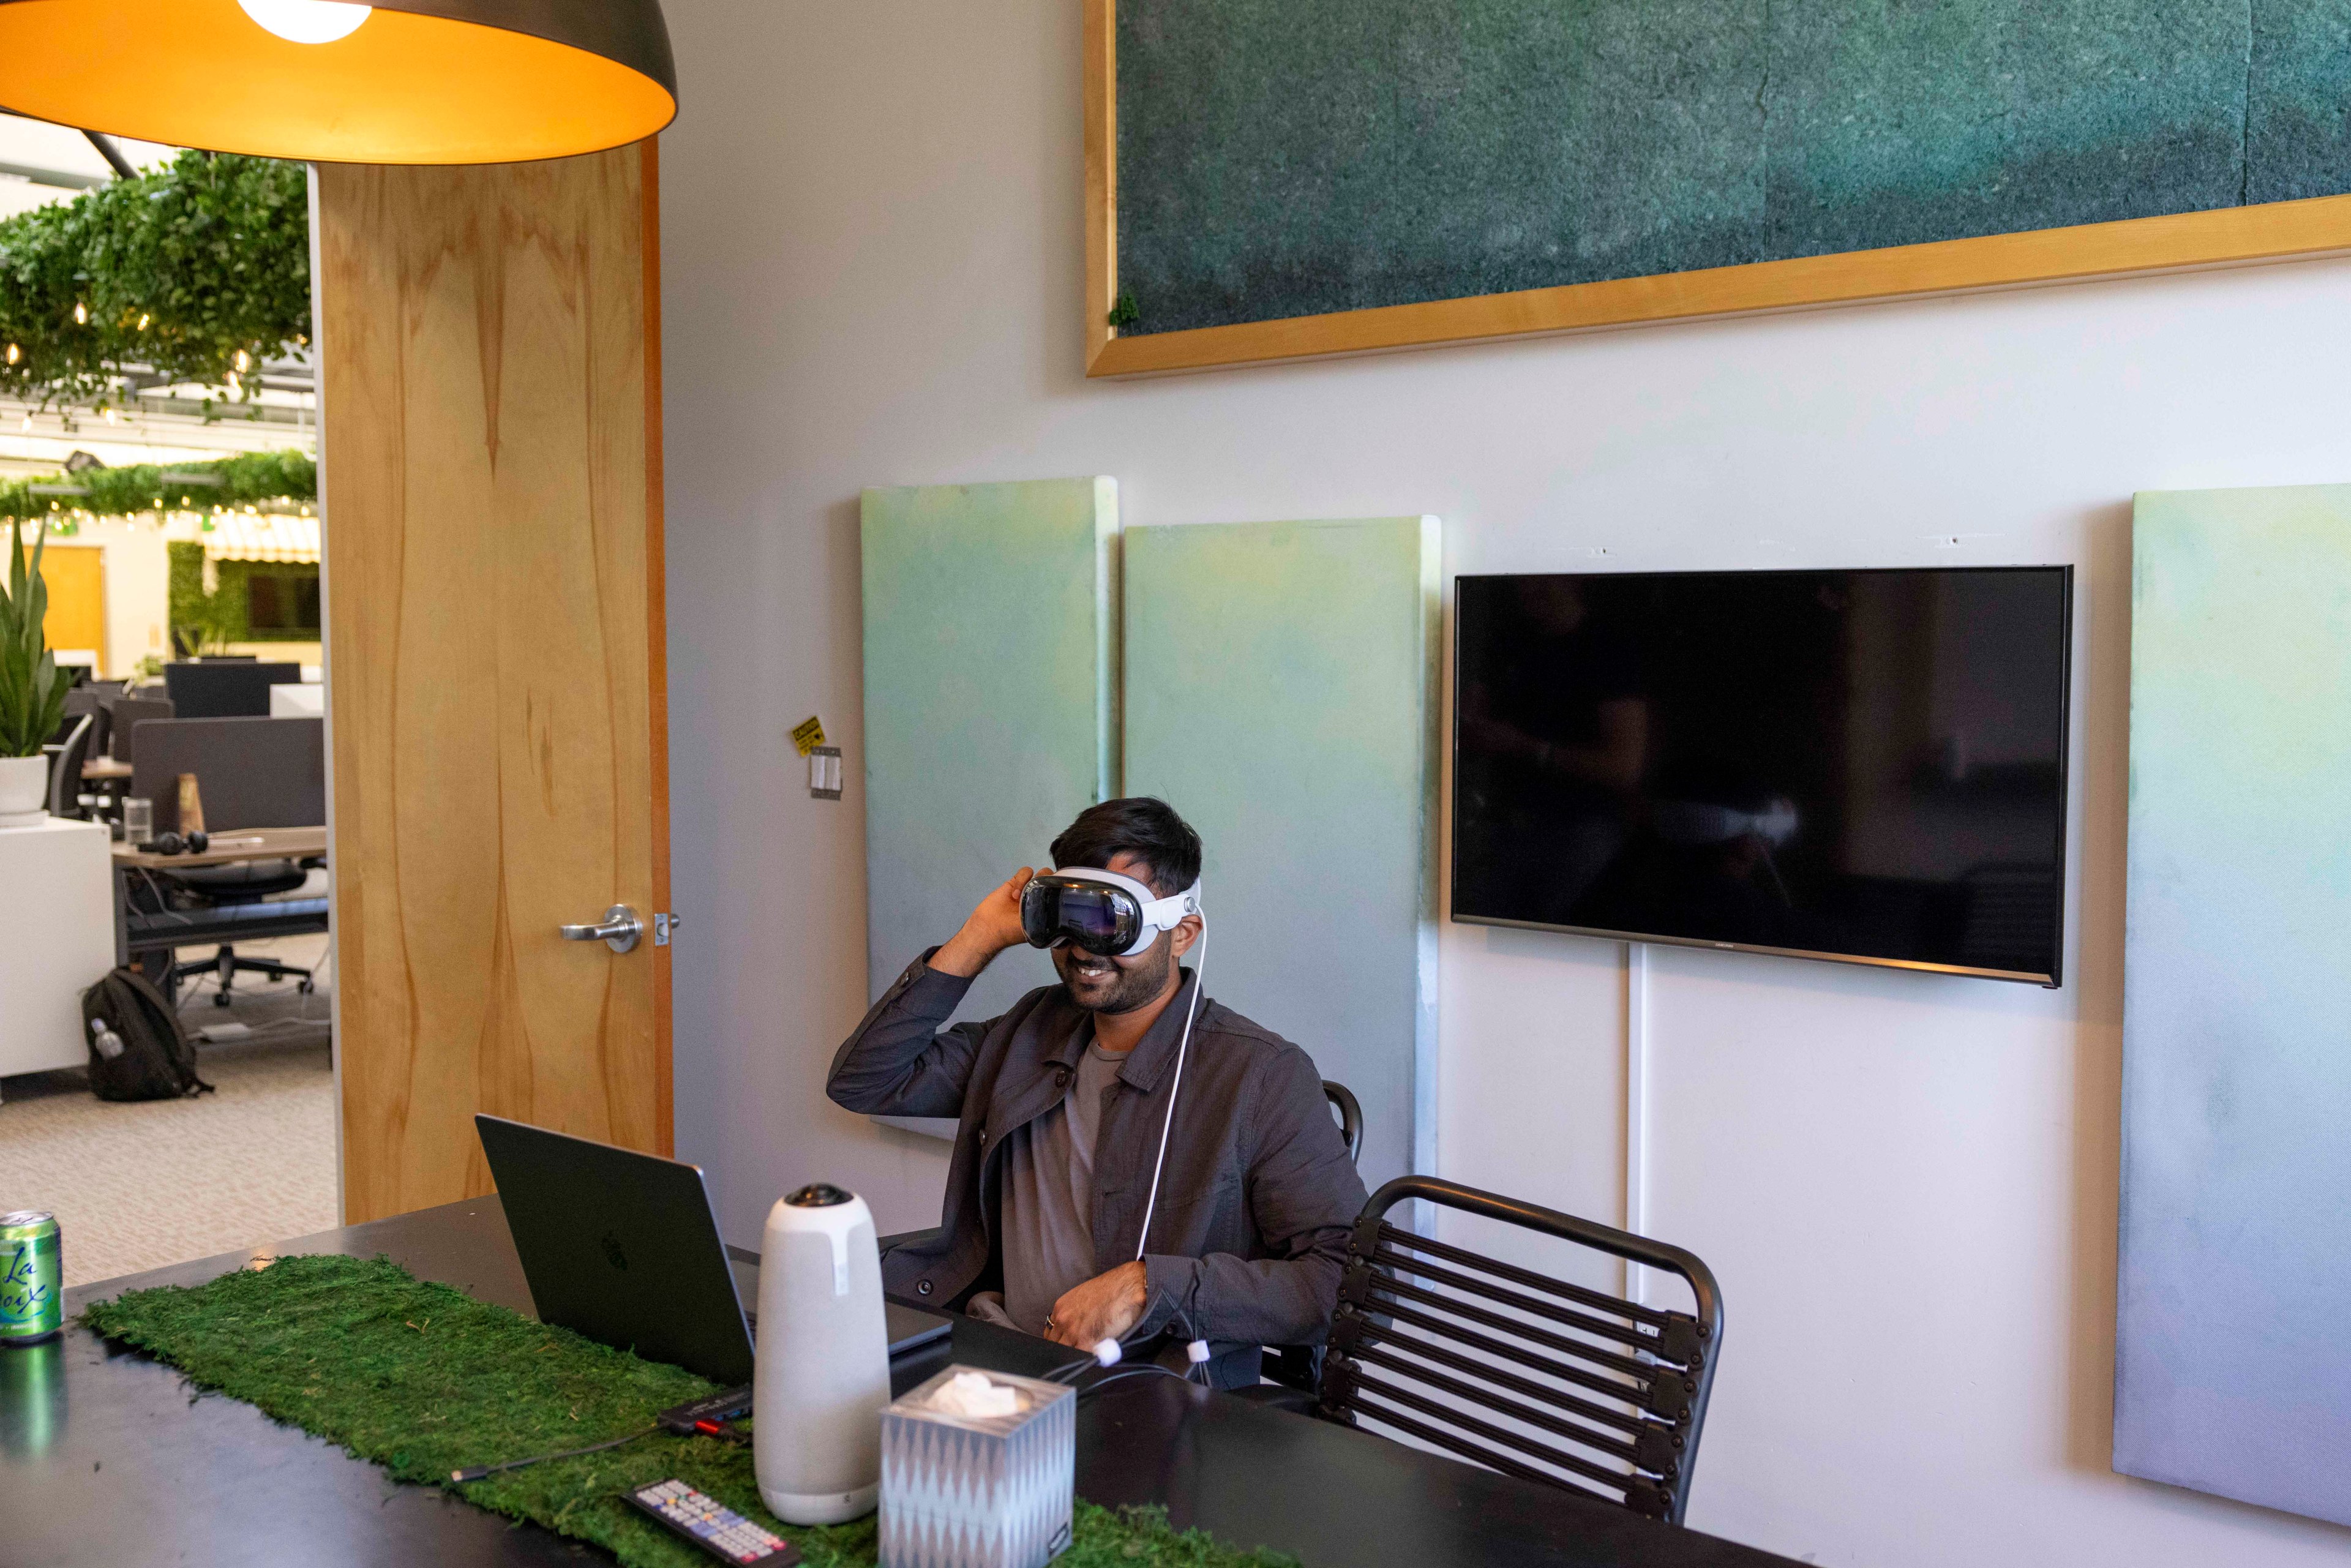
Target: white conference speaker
{"x":823,"y":1359}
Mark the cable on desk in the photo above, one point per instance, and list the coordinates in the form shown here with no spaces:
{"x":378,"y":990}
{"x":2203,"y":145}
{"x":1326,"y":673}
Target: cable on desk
{"x":1127,"y":1375}
{"x":1069,"y":1370}
{"x":477,"y":1472}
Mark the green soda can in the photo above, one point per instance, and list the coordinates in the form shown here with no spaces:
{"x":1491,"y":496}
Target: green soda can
{"x":32,"y":1279}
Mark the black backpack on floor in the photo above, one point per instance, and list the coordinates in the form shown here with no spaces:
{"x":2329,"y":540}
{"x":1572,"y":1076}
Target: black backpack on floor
{"x":137,"y":1048}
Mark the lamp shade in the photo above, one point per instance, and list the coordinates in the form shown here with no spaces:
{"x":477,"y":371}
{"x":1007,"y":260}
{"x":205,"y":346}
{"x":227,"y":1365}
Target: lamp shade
{"x":409,"y":81}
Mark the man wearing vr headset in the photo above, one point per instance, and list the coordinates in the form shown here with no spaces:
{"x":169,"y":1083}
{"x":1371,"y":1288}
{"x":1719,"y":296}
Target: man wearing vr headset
{"x":1131,"y":1158}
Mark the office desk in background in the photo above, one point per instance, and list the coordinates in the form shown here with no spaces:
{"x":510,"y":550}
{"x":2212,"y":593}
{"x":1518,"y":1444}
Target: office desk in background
{"x":137,"y":933}
{"x":104,"y":1457}
{"x":53,"y":941}
{"x":107,"y":780}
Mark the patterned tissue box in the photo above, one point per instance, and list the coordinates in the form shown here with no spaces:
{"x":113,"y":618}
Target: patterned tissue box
{"x":988,"y":1491}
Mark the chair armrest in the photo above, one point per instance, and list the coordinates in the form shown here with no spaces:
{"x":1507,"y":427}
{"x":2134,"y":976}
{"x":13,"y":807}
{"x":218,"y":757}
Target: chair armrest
{"x":1295,"y":1367}
{"x":906,"y":1237}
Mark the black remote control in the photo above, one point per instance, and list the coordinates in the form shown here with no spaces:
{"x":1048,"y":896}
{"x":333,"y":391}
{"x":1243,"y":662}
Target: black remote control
{"x":717,"y":1530}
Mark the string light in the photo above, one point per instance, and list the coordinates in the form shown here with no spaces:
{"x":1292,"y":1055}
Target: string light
{"x":15,"y":353}
{"x":244,"y":360}
{"x":144,"y":319}
{"x":81,"y":313}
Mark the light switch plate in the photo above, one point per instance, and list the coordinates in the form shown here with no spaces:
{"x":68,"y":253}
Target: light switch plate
{"x":824,"y":772}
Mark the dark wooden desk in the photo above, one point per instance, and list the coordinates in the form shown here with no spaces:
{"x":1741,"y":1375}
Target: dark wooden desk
{"x":107,"y":1458}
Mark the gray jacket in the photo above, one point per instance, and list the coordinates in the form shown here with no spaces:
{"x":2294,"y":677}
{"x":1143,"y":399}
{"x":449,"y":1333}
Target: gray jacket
{"x":1250,"y":1234}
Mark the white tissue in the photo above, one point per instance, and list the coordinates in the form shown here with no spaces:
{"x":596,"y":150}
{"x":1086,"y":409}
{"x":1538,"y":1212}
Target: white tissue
{"x":971,"y":1393}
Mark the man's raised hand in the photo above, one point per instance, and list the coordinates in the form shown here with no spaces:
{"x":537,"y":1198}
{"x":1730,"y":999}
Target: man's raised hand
{"x":992,"y":925}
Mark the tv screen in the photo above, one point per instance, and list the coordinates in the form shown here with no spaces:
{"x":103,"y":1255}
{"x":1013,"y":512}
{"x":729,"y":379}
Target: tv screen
{"x":1859,"y":765}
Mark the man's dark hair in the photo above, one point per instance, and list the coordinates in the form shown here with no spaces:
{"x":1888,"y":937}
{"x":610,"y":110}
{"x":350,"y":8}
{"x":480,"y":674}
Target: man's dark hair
{"x":1147,"y":829}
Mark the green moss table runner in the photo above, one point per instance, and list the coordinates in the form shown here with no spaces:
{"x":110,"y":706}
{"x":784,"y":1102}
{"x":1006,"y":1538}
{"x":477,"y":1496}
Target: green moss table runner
{"x":423,"y":1380}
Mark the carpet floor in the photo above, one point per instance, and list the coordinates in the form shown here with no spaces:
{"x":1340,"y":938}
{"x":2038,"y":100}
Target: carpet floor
{"x":141,"y":1186}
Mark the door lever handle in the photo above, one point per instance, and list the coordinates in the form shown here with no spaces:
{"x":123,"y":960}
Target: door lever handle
{"x":620,"y":929}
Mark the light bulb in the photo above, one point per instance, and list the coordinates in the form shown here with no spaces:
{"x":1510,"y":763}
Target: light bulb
{"x":307,"y":21}
{"x":81,"y":312}
{"x":144,"y":319}
{"x":244,"y":360}
{"x":15,"y":353}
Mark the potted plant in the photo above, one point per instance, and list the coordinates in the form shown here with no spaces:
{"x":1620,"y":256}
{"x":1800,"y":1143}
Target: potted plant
{"x":32,"y":687}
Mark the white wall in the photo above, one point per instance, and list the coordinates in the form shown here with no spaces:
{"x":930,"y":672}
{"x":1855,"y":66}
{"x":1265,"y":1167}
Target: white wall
{"x":872,"y":240}
{"x":138,"y":592}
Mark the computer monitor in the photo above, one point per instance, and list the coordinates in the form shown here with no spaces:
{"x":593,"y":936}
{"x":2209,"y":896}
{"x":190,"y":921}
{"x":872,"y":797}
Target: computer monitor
{"x":226,"y":688}
{"x":250,"y":772}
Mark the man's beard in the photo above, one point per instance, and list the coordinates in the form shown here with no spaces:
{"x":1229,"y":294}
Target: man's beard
{"x":1103,"y":985}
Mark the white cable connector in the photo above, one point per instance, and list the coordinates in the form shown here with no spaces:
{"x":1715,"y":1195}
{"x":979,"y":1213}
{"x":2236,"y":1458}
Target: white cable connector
{"x":1196,"y":1352}
{"x":1109,"y":1353}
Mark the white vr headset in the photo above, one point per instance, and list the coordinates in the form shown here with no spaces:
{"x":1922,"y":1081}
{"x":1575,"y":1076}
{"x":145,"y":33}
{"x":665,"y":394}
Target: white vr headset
{"x":1100,"y":911}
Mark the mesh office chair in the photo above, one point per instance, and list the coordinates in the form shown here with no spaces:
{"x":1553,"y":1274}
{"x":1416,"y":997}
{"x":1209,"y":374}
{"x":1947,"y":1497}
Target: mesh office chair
{"x":1515,"y":1370}
{"x":237,"y":888}
{"x":65,"y":766}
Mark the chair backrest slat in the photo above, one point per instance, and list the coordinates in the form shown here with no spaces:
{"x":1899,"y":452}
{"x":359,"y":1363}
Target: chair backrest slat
{"x":1583,"y":1323}
{"x":1454,"y":1442}
{"x":1607,"y":1443}
{"x":1653,"y":1316}
{"x":1435,"y":1342}
{"x":1614,"y":1388}
{"x":1370,"y":1334}
{"x":1542,"y":1453}
{"x":1625,"y":1364}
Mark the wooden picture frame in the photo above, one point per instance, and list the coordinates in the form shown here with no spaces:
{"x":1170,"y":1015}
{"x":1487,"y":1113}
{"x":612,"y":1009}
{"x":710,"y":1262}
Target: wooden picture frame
{"x":2226,"y":236}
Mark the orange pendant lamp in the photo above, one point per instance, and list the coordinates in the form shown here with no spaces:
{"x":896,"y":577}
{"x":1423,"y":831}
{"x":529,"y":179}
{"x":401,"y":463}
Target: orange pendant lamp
{"x":411,"y":81}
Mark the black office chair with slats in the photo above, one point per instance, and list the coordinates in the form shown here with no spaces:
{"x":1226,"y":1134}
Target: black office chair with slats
{"x":1350,"y":1112}
{"x":1299,"y":1367}
{"x":1515,"y":1370}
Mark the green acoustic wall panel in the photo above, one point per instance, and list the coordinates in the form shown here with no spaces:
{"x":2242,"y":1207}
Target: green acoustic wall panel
{"x":991,"y":690}
{"x":1281,"y":694}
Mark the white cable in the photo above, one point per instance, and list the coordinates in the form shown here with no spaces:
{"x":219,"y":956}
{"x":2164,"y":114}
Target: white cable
{"x":1199,"y":984}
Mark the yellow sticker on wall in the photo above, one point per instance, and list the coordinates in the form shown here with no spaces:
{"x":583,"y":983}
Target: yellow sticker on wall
{"x":809,"y":734}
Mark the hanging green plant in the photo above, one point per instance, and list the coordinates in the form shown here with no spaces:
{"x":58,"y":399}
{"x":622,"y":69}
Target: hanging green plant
{"x":248,"y":479}
{"x":196,"y":272}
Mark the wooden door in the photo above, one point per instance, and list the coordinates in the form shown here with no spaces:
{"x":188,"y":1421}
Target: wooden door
{"x":490,"y":413}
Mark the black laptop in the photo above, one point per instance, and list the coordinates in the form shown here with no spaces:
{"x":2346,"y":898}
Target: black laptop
{"x":622,"y":1249}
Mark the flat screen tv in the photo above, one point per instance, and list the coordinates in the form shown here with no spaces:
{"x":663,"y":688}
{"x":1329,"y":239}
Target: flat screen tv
{"x":1865,"y":765}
